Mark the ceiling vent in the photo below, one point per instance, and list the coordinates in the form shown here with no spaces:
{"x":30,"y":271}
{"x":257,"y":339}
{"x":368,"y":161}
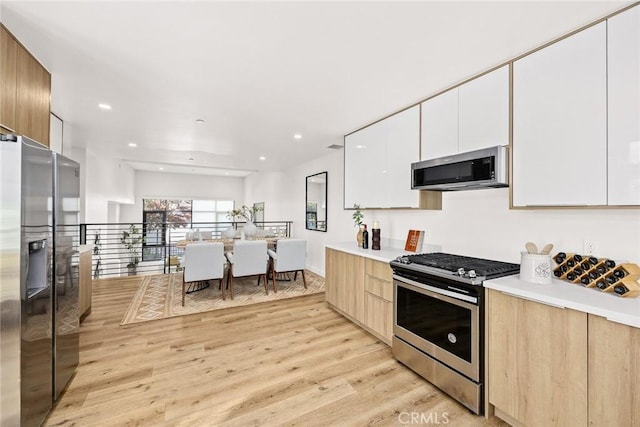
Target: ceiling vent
{"x":335,"y":147}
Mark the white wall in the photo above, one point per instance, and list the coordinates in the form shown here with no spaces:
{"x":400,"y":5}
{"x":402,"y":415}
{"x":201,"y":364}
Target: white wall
{"x":107,"y":180}
{"x":180,"y":186}
{"x":274,"y":190}
{"x":103,"y":181}
{"x":475,"y":223}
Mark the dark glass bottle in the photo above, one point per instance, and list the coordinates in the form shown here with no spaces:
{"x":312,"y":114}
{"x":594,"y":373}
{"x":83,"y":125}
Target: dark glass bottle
{"x":611,"y":279}
{"x":578,"y":271}
{"x":620,"y":289}
{"x":560,"y":257}
{"x":365,"y":238}
{"x":593,"y":260}
{"x":585,"y":280}
{"x":610,"y":263}
{"x":557,"y":272}
{"x":601,"y":270}
{"x":571,"y":263}
{"x":602,"y":285}
{"x":619,"y":273}
{"x":571,"y":277}
{"x":593,"y":275}
{"x":585,"y":265}
{"x":577,"y":258}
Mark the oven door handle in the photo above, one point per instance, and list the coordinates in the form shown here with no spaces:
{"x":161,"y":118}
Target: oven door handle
{"x":444,"y":292}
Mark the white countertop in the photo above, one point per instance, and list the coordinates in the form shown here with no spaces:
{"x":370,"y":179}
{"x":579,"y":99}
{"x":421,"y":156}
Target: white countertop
{"x":385,"y":254}
{"x":568,"y":295}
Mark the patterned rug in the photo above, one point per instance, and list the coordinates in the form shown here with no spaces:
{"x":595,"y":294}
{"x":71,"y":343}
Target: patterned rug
{"x":160,"y":296}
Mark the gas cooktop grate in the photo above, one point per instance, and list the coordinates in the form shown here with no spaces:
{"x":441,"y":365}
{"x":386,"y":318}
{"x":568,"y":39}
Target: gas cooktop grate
{"x":451,"y":262}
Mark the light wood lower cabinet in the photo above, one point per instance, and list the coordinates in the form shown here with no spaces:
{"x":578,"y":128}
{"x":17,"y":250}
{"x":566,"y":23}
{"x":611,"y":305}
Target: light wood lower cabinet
{"x":614,"y":373}
{"x":555,"y":366}
{"x":85,"y":285}
{"x":362,"y":290}
{"x":345,"y":282}
{"x":378,"y":299}
{"x":537,"y":362}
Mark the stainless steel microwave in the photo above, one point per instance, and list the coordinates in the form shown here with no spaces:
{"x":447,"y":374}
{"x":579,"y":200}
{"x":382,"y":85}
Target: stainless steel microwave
{"x":486,"y":168}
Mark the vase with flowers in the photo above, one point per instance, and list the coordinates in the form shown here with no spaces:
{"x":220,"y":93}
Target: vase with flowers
{"x":247,"y":214}
{"x":357,"y":222}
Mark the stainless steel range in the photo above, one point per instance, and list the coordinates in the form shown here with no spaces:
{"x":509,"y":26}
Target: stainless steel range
{"x":438,"y":322}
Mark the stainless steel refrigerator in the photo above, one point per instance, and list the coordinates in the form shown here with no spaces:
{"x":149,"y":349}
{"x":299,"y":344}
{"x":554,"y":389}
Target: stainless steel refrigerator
{"x":34,"y":350}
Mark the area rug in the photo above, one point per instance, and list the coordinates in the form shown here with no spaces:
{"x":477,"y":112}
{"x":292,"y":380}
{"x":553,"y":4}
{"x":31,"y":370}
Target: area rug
{"x":160,"y":296}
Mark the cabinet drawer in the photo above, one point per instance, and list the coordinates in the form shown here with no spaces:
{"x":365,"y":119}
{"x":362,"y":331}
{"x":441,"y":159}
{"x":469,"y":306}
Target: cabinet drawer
{"x":378,"y":269}
{"x":379,"y":287}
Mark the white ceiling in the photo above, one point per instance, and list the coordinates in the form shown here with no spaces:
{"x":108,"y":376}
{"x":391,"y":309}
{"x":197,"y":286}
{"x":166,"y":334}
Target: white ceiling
{"x":259,"y":72}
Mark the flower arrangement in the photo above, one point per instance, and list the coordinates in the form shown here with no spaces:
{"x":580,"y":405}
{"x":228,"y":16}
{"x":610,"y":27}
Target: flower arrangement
{"x":244,"y":212}
{"x":357,"y":216}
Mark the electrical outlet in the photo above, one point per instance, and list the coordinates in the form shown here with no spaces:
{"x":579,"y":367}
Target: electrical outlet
{"x":588,"y":247}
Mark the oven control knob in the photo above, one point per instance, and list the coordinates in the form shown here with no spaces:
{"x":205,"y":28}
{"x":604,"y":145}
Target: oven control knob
{"x":461,"y":272}
{"x":472,"y":274}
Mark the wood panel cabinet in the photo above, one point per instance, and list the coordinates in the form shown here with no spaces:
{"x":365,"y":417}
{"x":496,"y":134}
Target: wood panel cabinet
{"x":537,"y":367}
{"x":85,"y":284}
{"x":345,"y":282}
{"x":614,"y":369}
{"x":469,"y":117}
{"x":25,"y":91}
{"x":378,"y":299}
{"x":33,"y":93}
{"x":623,"y":102}
{"x":560,"y":123}
{"x":362,"y":290}
{"x":8,"y":78}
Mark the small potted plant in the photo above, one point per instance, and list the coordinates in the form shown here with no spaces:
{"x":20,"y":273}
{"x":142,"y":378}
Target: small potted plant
{"x":357,"y":222}
{"x":131,"y":239}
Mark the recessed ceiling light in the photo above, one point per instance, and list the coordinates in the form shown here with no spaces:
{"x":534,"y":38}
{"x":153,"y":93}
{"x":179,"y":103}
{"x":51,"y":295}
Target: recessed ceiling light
{"x":226,"y":173}
{"x":262,"y":158}
{"x":104,"y":106}
{"x":161,"y":168}
{"x":200,"y":121}
{"x":360,"y":146}
{"x":132,"y":144}
{"x":297,"y":136}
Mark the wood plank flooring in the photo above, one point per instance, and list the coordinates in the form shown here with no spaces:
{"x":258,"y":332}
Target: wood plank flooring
{"x":293,"y":362}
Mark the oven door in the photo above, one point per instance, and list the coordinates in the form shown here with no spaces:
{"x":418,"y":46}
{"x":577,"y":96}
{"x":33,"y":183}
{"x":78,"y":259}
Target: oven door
{"x":440,"y":323}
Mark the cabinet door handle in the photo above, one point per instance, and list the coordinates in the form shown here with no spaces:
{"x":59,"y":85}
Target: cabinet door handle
{"x":533,"y":300}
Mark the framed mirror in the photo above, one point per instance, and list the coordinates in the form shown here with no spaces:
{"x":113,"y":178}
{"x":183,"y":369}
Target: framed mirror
{"x":316,"y":202}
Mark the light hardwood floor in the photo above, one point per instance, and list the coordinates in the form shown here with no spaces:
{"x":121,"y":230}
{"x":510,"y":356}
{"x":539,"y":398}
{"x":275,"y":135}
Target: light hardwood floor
{"x":290,"y":362}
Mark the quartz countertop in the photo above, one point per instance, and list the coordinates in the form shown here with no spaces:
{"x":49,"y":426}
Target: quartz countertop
{"x":385,"y":254}
{"x":568,"y":295}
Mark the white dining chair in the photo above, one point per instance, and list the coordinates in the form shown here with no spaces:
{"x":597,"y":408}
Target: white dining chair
{"x":202,"y":262}
{"x":249,"y":258}
{"x":290,"y":256}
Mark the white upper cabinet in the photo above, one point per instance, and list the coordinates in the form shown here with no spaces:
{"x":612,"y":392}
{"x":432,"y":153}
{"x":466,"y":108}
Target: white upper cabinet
{"x":483,"y":111}
{"x":469,"y":117}
{"x":623,"y":66}
{"x":560,"y":123}
{"x":403,"y":148}
{"x":440,"y":125}
{"x":378,"y":162}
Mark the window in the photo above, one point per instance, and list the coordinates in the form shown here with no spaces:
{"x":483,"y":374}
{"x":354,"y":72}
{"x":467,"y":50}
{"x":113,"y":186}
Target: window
{"x":161,"y":217}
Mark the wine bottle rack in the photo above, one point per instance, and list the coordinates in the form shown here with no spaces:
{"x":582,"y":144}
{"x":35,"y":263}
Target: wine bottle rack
{"x":598,"y":273}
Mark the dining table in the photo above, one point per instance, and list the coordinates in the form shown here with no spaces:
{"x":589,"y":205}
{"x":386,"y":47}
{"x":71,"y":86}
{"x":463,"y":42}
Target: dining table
{"x":228,"y":243}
